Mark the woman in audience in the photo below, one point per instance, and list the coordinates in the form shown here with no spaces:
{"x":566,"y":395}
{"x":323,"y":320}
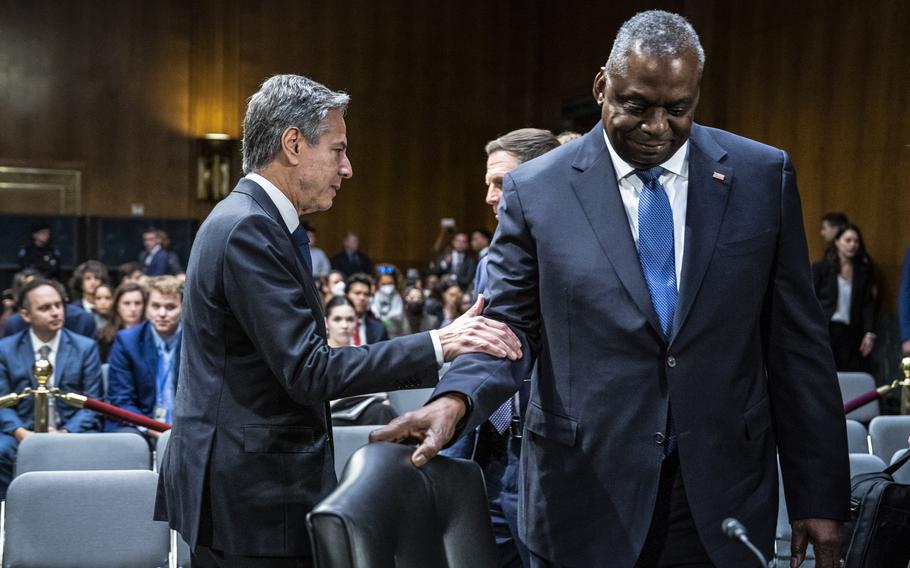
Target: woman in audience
{"x":415,"y":318}
{"x":104,"y":300}
{"x":340,"y":320}
{"x":451,"y":302}
{"x":387,"y":304}
{"x":845,"y":285}
{"x":128,"y":310}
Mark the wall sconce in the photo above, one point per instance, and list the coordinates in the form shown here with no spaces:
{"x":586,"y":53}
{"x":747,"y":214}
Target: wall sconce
{"x":213,"y":166}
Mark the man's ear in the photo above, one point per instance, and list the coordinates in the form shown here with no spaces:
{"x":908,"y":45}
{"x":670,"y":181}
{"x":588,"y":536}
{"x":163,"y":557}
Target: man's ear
{"x":600,"y":83}
{"x":292,"y":142}
{"x":26,"y":317}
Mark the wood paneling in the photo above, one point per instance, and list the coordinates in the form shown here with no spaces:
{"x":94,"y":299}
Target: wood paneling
{"x":122,"y":88}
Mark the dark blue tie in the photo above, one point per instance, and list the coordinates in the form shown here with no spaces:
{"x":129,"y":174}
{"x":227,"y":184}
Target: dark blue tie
{"x":655,"y":246}
{"x":302,"y":242}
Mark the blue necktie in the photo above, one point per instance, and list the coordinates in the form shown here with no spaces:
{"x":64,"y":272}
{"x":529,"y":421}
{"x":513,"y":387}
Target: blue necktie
{"x":302,"y":242}
{"x":502,"y":416}
{"x":165,"y":398}
{"x":655,"y":246}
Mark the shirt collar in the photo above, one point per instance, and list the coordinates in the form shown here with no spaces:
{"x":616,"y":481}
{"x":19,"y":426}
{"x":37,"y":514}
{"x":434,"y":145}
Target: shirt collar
{"x":281,"y":201}
{"x":170,"y":343}
{"x":677,"y":164}
{"x":54,"y":343}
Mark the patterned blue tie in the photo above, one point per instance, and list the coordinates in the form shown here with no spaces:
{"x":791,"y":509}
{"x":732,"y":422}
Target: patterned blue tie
{"x":302,"y":242}
{"x":655,"y":246}
{"x":501,"y":418}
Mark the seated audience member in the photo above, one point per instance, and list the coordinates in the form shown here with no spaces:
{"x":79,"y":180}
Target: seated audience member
{"x":321,"y":264}
{"x":128,"y":310}
{"x":76,"y":368}
{"x":130,"y":272}
{"x":351,"y":259}
{"x":359,"y":289}
{"x":450,"y":297}
{"x":480,"y":242}
{"x":104,"y":301}
{"x":153,"y":258}
{"x":415,"y":318}
{"x":86,"y":278}
{"x":336,"y":284}
{"x":40,"y":254}
{"x":145,"y":359}
{"x":386,"y":303}
{"x":456,"y":261}
{"x":844,"y":283}
{"x":76,"y":319}
{"x":832,"y":223}
{"x":340,"y":321}
{"x":174,"y":266}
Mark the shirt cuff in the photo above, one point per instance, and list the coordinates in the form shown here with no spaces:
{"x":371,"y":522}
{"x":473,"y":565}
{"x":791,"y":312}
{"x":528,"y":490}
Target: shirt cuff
{"x":437,"y":347}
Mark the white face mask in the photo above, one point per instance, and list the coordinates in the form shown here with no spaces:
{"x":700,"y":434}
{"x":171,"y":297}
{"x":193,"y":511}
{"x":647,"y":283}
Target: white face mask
{"x":338,"y":288}
{"x":387,"y":289}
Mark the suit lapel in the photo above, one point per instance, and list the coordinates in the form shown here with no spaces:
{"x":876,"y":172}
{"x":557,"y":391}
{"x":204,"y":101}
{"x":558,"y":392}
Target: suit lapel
{"x":150,"y":353}
{"x":709,"y":188}
{"x":309,"y":286}
{"x":596,"y":190}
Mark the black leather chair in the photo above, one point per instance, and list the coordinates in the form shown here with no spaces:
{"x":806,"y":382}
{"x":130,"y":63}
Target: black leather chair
{"x":386,"y":512}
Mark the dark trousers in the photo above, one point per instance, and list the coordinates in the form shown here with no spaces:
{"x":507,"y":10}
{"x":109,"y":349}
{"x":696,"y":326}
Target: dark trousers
{"x":205,"y":557}
{"x":498,"y":456}
{"x":672,"y":540}
{"x":845,"y":341}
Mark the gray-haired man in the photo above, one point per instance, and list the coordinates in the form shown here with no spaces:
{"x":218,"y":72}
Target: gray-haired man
{"x":250,"y":451}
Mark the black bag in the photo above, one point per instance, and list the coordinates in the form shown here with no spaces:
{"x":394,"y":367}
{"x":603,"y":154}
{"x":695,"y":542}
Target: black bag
{"x":878,"y":534}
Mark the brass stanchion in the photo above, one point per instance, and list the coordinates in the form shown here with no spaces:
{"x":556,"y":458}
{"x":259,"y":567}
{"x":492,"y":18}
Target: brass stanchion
{"x":42,"y":369}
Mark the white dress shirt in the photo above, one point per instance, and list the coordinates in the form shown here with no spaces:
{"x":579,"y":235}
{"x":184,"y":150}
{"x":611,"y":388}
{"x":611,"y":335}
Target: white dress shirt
{"x":675,"y":180}
{"x":289,"y":215}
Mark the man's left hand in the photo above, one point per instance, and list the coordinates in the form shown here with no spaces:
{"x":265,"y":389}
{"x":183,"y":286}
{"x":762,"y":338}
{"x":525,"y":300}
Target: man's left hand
{"x":824,"y":534}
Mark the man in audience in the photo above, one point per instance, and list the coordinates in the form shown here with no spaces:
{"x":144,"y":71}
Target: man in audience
{"x":415,"y":318}
{"x":369,"y":329}
{"x":657,"y":271}
{"x":130,"y":272}
{"x":832,"y":222}
{"x":76,"y":368}
{"x":457,"y":262}
{"x":321,"y":264}
{"x":480,"y":242}
{"x":351,"y":259}
{"x":145,"y":359}
{"x":496,"y":444}
{"x":153,"y":258}
{"x":75,"y":318}
{"x":40,"y":253}
{"x":251,"y":451}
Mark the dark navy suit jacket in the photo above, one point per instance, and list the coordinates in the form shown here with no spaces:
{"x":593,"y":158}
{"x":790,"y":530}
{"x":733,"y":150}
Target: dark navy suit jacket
{"x":748,"y":368}
{"x":131,"y":379}
{"x":77,"y":370}
{"x":159,"y":264}
{"x":250,"y":452}
{"x":75,"y":319}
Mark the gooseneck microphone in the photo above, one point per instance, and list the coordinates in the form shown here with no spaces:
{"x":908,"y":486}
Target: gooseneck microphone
{"x":735,"y":530}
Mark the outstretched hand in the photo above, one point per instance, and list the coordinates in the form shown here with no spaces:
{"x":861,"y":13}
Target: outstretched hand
{"x":431,"y":426}
{"x":473,"y":333}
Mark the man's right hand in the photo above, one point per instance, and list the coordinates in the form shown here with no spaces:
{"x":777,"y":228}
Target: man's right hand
{"x":473,"y":333}
{"x":432,"y":426}
{"x":21,"y":434}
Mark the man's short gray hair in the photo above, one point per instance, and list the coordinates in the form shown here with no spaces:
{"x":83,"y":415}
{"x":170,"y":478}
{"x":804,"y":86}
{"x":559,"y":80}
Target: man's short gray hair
{"x":283,"y":101}
{"x":524,"y":143}
{"x":655,"y":33}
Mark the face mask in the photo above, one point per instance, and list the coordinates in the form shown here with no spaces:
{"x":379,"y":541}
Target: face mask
{"x":338,"y":289}
{"x":387,"y":289}
{"x":415,"y":308}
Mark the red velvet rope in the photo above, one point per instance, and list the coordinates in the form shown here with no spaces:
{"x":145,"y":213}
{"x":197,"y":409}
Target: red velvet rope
{"x":126,"y":415}
{"x":861,"y":400}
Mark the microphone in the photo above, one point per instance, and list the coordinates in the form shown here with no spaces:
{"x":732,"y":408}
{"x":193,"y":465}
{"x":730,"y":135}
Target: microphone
{"x":735,"y":530}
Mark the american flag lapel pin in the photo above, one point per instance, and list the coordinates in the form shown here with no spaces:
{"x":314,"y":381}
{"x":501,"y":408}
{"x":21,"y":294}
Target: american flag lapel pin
{"x":719,"y":176}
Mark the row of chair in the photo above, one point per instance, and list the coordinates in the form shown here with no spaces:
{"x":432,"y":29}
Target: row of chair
{"x":885,"y":436}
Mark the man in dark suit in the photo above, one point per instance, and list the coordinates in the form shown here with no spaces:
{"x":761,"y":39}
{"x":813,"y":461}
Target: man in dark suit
{"x":77,"y":368}
{"x":351,"y":259}
{"x":359,"y":290}
{"x":145,"y":359}
{"x":251,"y":449}
{"x":154,"y":257}
{"x":658,"y":273}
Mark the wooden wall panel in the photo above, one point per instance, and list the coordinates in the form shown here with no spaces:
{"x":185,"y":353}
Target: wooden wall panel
{"x":121,"y":89}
